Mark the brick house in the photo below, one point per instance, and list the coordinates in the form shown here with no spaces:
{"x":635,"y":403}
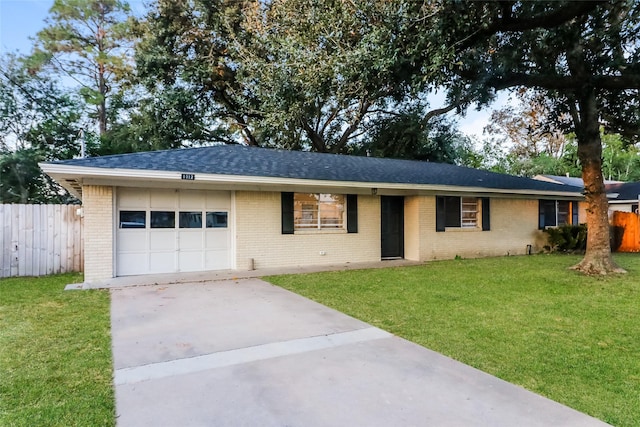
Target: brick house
{"x":231,"y":207}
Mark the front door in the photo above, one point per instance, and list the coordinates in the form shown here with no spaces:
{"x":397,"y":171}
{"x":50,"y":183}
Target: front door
{"x":392,"y":226}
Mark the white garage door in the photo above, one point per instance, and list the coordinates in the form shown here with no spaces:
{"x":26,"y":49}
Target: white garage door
{"x":168,"y":231}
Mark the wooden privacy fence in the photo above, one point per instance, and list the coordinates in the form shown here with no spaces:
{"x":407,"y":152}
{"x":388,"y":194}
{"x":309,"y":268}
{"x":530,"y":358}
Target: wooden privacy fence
{"x":40,"y":239}
{"x":626,"y":231}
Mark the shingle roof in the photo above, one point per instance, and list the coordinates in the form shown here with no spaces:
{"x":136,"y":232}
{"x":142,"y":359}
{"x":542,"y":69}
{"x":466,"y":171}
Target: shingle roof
{"x":566,"y":180}
{"x":626,"y":191}
{"x":262,"y":162}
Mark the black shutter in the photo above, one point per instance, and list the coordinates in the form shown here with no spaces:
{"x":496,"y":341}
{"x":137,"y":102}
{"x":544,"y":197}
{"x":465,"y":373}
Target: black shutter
{"x":287,"y":213}
{"x":440,"y":213}
{"x":574,"y":213}
{"x":541,"y":214}
{"x":352,"y":213}
{"x":486,"y":214}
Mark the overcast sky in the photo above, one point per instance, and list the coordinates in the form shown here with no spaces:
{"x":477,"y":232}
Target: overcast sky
{"x":20,"y":20}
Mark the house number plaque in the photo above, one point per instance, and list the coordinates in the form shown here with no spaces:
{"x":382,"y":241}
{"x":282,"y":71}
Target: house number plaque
{"x":188,"y":176}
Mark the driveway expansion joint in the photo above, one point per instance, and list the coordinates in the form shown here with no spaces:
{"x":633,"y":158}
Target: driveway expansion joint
{"x":239,"y":356}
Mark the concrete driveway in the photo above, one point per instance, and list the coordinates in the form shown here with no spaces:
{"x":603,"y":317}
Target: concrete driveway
{"x":246,"y":353}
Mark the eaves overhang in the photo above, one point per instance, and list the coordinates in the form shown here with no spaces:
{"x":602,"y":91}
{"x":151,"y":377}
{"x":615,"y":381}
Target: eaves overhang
{"x":74,"y":177}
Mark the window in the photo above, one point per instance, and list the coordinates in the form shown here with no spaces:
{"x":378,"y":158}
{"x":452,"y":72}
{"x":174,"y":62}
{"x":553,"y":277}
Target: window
{"x":553,"y":213}
{"x":163,"y":219}
{"x":461,"y":212}
{"x":190,"y":220}
{"x":469,"y":212}
{"x":318,"y":211}
{"x":217,"y":220}
{"x":133,"y":219}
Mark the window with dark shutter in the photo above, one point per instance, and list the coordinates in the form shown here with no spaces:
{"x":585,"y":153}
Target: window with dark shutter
{"x":574,"y":213}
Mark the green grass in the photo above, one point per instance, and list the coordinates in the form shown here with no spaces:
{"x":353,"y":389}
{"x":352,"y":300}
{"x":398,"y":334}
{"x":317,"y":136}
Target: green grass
{"x":528,"y":320}
{"x":55,"y":354}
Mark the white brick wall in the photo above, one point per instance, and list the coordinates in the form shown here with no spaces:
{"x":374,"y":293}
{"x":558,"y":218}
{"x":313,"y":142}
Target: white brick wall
{"x":98,"y":232}
{"x":259,"y":237}
{"x":514,"y":225}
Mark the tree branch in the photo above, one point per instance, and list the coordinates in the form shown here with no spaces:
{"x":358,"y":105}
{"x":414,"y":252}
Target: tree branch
{"x":548,"y":20}
{"x":627,"y":81}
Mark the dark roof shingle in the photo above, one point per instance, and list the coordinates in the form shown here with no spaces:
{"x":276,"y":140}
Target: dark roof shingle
{"x":626,"y":191}
{"x":262,"y":162}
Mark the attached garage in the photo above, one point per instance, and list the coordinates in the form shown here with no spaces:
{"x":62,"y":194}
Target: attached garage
{"x":169,"y":231}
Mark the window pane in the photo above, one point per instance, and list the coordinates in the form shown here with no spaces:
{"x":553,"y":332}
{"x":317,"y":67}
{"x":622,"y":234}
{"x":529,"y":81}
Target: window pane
{"x":452,"y":211}
{"x":315,"y":211}
{"x":549,"y":208}
{"x":331,"y":210}
{"x":163,"y":219}
{"x":217,"y":220}
{"x":469,"y":212}
{"x":190,"y":219}
{"x":305,"y":210}
{"x":133,"y":219}
{"x":563,"y":212}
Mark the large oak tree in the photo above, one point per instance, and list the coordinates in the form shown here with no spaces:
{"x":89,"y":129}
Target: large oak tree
{"x":584,"y":56}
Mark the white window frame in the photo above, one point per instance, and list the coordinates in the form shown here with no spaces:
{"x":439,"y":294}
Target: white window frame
{"x":316,"y":212}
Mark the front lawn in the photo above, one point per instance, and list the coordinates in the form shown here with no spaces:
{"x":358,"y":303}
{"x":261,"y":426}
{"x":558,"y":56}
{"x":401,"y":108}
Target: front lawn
{"x":528,"y":320}
{"x":55,"y":354}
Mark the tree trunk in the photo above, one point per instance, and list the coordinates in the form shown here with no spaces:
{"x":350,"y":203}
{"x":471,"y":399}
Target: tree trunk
{"x":597,"y":259}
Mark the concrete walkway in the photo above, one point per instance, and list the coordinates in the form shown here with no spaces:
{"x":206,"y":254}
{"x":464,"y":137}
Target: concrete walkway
{"x":246,"y":353}
{"x":214,"y":275}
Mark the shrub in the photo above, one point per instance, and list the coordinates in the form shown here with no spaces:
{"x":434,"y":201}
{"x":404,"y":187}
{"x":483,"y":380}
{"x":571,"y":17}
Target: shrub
{"x":568,"y":238}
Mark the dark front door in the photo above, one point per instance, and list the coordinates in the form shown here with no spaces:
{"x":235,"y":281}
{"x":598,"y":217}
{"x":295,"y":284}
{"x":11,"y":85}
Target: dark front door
{"x":392,"y":226}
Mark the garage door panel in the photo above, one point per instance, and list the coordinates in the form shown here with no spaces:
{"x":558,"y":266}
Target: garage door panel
{"x":132,"y":263}
{"x":217,"y":239}
{"x":133,"y":199}
{"x":162,"y":240}
{"x":132,"y":241}
{"x":163,"y":199}
{"x":217,"y":260}
{"x":162,"y":262}
{"x":218,"y":201}
{"x":191,"y":240}
{"x":191,"y":261}
{"x":192,"y":200}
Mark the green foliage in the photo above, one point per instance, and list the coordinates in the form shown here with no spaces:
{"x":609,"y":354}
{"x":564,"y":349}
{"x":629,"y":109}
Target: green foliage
{"x":38,"y":122}
{"x":288,"y":74}
{"x":568,"y":238}
{"x":526,"y":319}
{"x":173,"y":118}
{"x":86,"y":40}
{"x":22,"y":180}
{"x":407,"y":135}
{"x":55,"y":354}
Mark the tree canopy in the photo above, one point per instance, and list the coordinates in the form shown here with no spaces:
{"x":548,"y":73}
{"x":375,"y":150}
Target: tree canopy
{"x":582,"y":57}
{"x":86,"y":42}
